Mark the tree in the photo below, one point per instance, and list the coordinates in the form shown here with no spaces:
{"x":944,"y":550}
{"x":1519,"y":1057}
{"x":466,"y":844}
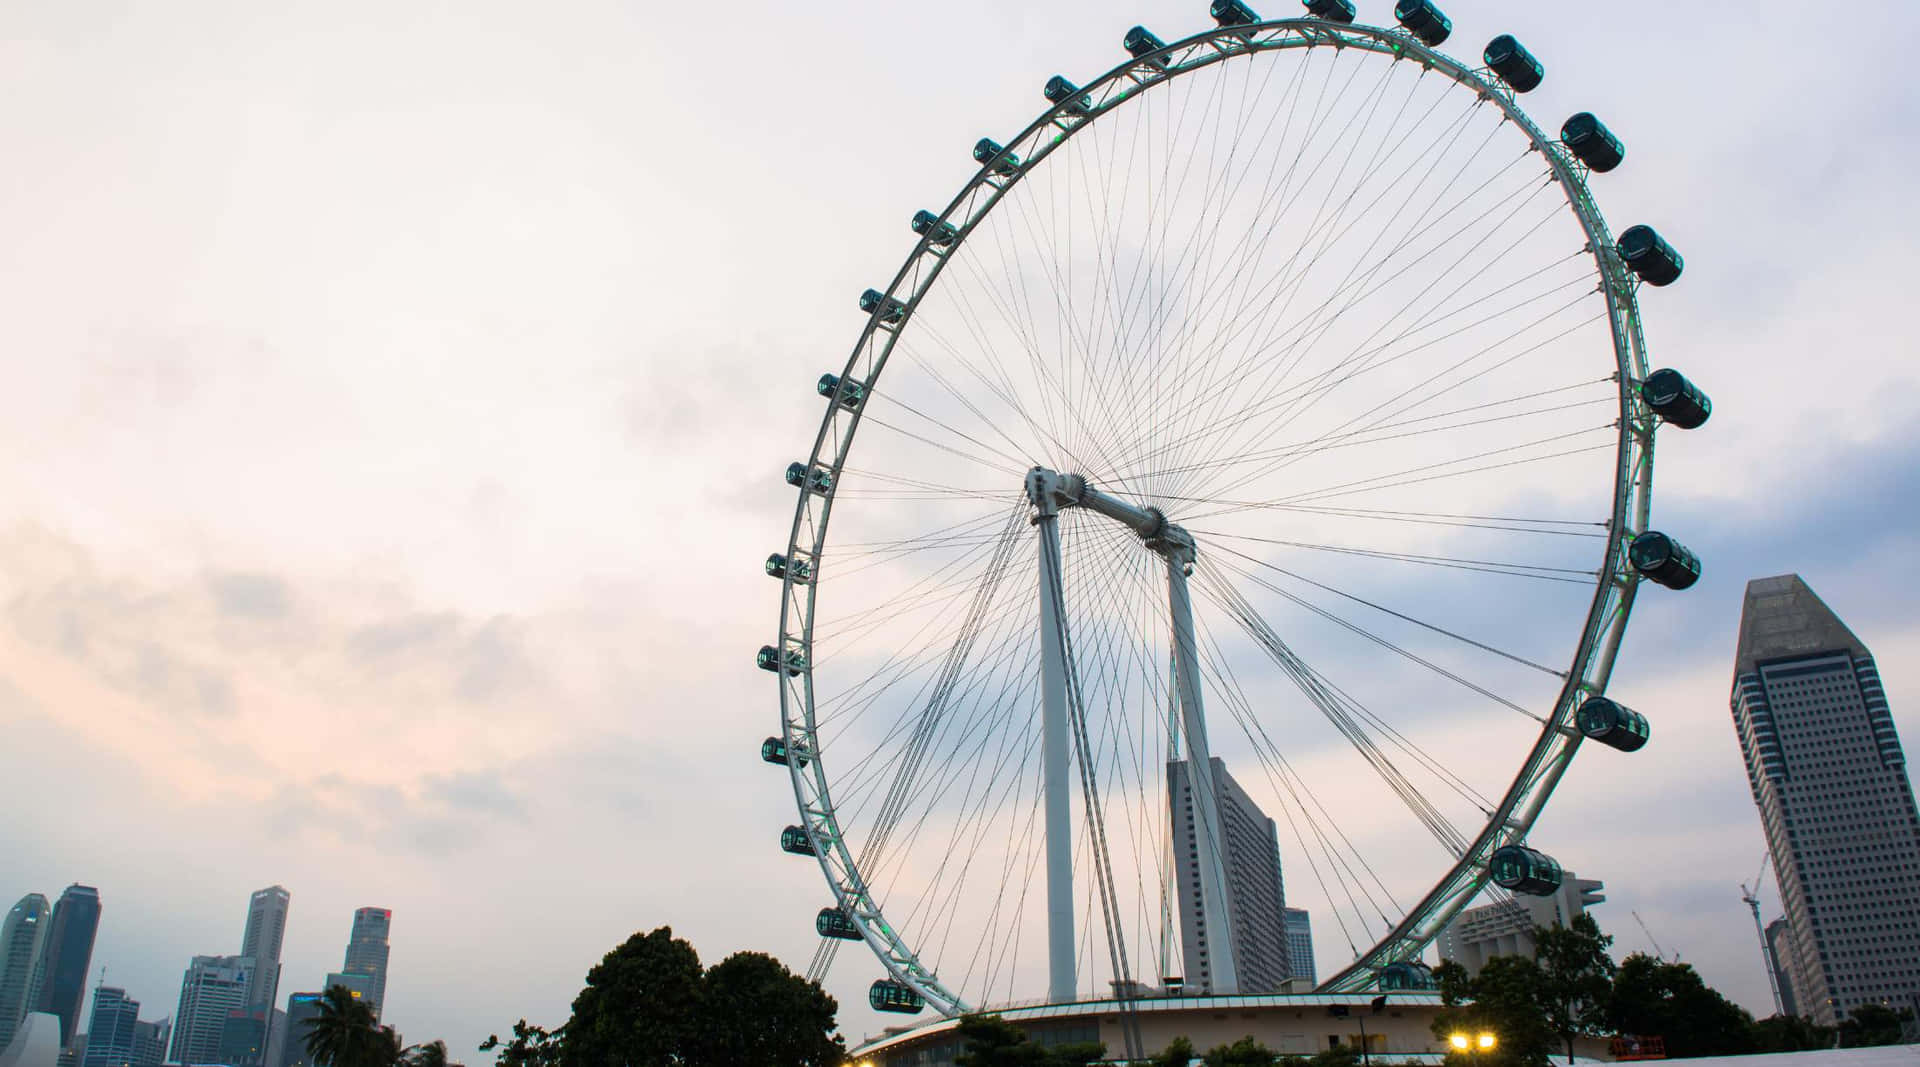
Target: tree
{"x":531,"y":1047}
{"x":1669,"y":999}
{"x":990,"y":1041}
{"x":1576,"y":978}
{"x":1504,"y":999}
{"x":641,"y":1007}
{"x":343,"y":1034}
{"x":1791,"y":1033}
{"x":757,"y":1011}
{"x":431,"y":1054}
{"x":1245,"y":1052}
{"x":1178,"y":1053}
{"x":1871,"y":1024}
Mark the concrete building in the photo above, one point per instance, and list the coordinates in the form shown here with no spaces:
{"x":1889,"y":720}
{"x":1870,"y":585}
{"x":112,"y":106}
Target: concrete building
{"x":367,"y":947}
{"x":1300,"y":945}
{"x":1777,"y":950}
{"x":1505,"y":928}
{"x":212,"y":990}
{"x":69,"y":955}
{"x":1830,"y":780}
{"x":1250,"y":854}
{"x":150,"y":1042}
{"x":23,"y":944}
{"x":110,"y":1028}
{"x":266,"y":930}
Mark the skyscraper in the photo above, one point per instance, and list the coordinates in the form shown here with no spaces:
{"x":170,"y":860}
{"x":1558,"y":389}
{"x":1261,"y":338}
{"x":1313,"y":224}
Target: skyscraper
{"x":110,"y":1028}
{"x":76,"y":917}
{"x":1830,"y":780}
{"x":300,"y":1008}
{"x":150,"y":1042}
{"x":1250,"y":854}
{"x":23,"y":943}
{"x":367,"y":951}
{"x":213,"y":988}
{"x":1300,"y":945}
{"x":266,"y":929}
{"x":1777,"y":950}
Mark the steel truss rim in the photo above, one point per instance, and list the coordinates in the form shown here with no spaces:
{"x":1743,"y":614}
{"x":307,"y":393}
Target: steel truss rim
{"x":1617,"y":582}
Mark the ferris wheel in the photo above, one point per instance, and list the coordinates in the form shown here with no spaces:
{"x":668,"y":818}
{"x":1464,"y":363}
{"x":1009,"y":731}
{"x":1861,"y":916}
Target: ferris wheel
{"x":1238,"y":495}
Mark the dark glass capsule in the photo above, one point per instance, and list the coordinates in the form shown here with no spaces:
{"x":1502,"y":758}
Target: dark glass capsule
{"x":1675,"y":399}
{"x":989,"y":153}
{"x":1612,"y":724}
{"x":1514,"y":64}
{"x":818,"y":480}
{"x":1426,"y":22}
{"x":1331,"y":10}
{"x":779,"y":566}
{"x":1059,"y":90}
{"x":1650,"y":256}
{"x":1232,"y":13}
{"x":886,"y":995}
{"x":1661,"y":559}
{"x":850,"y":395}
{"x":774,"y":750}
{"x":1592,"y":143}
{"x":934,"y":229}
{"x":1407,"y":976}
{"x":1141,"y":42}
{"x":769,"y":659}
{"x":874,"y":302}
{"x":832,"y":922}
{"x":1518,"y":869}
{"x":794,"y":839}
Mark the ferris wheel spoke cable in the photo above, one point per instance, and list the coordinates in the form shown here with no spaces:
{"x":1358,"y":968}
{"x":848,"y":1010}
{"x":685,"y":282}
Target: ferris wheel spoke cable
{"x":1538,"y":572}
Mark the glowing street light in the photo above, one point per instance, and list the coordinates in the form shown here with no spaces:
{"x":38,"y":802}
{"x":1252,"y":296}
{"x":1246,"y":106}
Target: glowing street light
{"x":1485,"y":1042}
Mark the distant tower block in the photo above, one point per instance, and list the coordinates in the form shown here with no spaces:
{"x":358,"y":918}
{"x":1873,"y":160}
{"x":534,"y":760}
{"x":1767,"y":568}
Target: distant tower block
{"x":1257,"y":897}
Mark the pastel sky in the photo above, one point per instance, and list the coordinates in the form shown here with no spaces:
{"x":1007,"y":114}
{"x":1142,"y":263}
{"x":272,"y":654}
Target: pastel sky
{"x":396,"y":396}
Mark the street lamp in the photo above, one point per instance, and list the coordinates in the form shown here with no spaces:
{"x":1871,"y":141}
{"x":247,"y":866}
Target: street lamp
{"x":1472,"y":1044}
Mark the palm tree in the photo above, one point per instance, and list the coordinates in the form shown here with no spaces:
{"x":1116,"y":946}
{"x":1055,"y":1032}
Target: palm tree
{"x":431,"y":1054}
{"x":344,"y":1033}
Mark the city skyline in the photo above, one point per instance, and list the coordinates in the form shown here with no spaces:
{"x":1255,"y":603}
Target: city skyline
{"x":339,"y":552}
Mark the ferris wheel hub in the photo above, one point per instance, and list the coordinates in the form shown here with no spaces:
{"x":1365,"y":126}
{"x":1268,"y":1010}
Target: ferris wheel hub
{"x":1049,"y":491}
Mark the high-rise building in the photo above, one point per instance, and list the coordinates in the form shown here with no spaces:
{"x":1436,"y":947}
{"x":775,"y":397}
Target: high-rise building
{"x":266,"y":930}
{"x":23,"y":944}
{"x":63,"y":986}
{"x":1830,"y":780}
{"x":1777,"y":952}
{"x":1300,"y":945}
{"x":213,"y":988}
{"x":1505,"y":928}
{"x":110,"y":1028}
{"x":301,"y":1007}
{"x":150,"y":1042}
{"x":1250,"y":856}
{"x":367,"y":949}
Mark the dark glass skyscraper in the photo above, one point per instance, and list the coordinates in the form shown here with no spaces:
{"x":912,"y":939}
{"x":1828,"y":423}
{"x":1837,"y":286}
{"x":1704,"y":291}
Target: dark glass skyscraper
{"x":367,"y":950}
{"x":76,"y":918}
{"x":1830,"y":780}
{"x":23,"y":944}
{"x":110,"y":1028}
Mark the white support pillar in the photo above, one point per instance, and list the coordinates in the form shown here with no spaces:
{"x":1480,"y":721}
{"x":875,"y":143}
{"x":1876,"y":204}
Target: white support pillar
{"x":1215,"y":906}
{"x":1055,"y":753}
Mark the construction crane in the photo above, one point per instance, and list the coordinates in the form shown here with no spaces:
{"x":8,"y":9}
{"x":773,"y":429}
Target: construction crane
{"x":1658,"y":952}
{"x":1752,"y":899}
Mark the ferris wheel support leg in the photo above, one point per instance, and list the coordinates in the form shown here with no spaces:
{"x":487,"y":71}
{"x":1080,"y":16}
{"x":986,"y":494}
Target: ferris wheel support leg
{"x":1215,"y":906}
{"x":1054,"y":754}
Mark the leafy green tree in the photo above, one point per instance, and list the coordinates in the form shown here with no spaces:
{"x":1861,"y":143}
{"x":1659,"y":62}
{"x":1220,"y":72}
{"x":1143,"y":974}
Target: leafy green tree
{"x":641,"y":1007}
{"x":1576,"y":976}
{"x":1669,"y":999}
{"x":1791,"y":1033}
{"x":1504,"y":999}
{"x":1871,"y":1024}
{"x":531,"y":1046}
{"x":1337,"y":1056}
{"x":1245,"y":1052}
{"x":1178,"y":1053}
{"x":990,"y":1041}
{"x":431,"y":1054}
{"x":344,"y":1033}
{"x":757,"y":1011}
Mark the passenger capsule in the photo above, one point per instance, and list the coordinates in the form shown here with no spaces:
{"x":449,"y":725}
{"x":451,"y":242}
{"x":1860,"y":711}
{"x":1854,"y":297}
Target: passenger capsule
{"x":769,"y":659}
{"x":1141,"y":43}
{"x":849,"y":396}
{"x":929,"y":225}
{"x":1514,"y":64}
{"x":1061,"y":91}
{"x":779,"y":566}
{"x":1426,"y":22}
{"x":774,"y":750}
{"x":1407,"y":976}
{"x":1675,"y":399}
{"x":794,"y":839}
{"x":874,"y":302}
{"x":1232,"y":13}
{"x":1331,"y":10}
{"x":886,"y":995}
{"x":1664,"y":560}
{"x":1650,"y":256}
{"x":816,"y":480}
{"x":1518,"y":869}
{"x":1613,"y":725}
{"x":1592,"y":143}
{"x":989,"y":153}
{"x":832,"y":922}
